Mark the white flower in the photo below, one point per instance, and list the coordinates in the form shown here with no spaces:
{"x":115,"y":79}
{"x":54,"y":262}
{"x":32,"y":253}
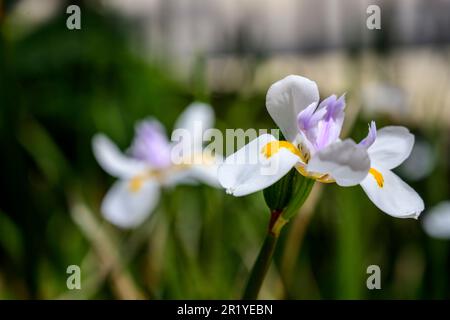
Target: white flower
{"x":313,"y":145}
{"x":314,"y":148}
{"x":149,"y":165}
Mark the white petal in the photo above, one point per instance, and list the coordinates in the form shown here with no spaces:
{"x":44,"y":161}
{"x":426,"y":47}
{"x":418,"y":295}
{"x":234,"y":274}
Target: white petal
{"x":126,"y":208}
{"x":113,"y":161}
{"x":286,"y":98}
{"x":248,"y":170}
{"x":344,"y":161}
{"x":202,"y":168}
{"x":207,"y":172}
{"x":172,"y":178}
{"x":196,"y":119}
{"x":392,"y":146}
{"x":437,"y":222}
{"x":395,"y":197}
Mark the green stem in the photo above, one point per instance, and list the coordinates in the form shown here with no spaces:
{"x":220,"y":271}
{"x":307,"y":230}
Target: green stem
{"x":260,"y":267}
{"x":279,"y":217}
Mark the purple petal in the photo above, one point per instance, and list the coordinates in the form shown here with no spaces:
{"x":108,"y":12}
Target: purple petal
{"x":329,"y":128}
{"x":327,"y":101}
{"x":151,"y":144}
{"x":371,"y":136}
{"x":322,"y":126}
{"x":307,"y":121}
{"x":334,"y":106}
{"x":308,"y":118}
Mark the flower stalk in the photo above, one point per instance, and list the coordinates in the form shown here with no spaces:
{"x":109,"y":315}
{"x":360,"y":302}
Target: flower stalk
{"x":264,"y":259}
{"x":300,"y":189}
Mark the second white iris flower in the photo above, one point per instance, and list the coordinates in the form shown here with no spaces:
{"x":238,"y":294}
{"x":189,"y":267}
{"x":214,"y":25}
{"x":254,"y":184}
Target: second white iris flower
{"x":149,"y":165}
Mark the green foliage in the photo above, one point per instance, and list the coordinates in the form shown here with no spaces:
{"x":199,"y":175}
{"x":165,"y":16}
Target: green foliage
{"x":58,"y":88}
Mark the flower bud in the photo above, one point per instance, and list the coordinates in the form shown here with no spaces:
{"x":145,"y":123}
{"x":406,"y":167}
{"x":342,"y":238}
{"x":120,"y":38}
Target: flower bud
{"x":279,"y":194}
{"x":288,"y":194}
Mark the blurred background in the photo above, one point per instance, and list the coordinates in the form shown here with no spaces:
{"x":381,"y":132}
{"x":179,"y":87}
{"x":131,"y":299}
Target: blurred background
{"x":132,"y":59}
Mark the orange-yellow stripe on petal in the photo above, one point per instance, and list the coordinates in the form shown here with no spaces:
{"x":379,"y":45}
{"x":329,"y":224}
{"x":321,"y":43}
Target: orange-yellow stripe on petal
{"x":136,"y":183}
{"x":274,"y":146}
{"x":378,"y":177}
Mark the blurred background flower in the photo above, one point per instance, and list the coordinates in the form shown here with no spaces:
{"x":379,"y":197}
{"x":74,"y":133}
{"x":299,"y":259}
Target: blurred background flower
{"x":437,"y":222}
{"x":151,"y":164}
{"x":133,"y":59}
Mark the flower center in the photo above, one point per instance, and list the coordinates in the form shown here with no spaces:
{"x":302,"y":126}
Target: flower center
{"x":378,"y":177}
{"x":274,"y":146}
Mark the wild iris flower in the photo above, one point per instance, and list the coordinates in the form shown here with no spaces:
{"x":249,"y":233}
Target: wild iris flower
{"x":149,"y":165}
{"x":313,"y":147}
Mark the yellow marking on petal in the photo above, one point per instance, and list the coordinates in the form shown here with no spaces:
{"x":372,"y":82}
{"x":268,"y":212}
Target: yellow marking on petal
{"x":136,"y":183}
{"x":274,"y":147}
{"x":378,"y":177}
